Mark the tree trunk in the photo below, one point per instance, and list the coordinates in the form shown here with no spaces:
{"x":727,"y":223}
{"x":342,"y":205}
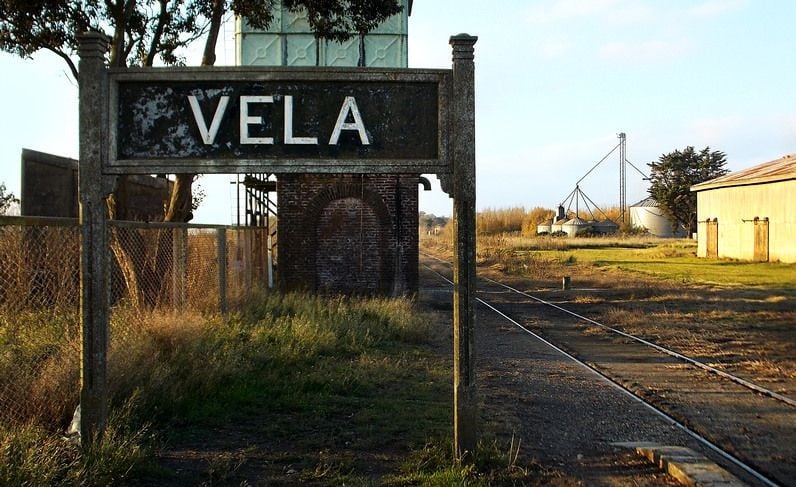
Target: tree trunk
{"x":146,"y":269}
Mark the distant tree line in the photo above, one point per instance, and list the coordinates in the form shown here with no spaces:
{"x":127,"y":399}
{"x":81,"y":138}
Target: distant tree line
{"x":428,"y":222}
{"x":492,"y":221}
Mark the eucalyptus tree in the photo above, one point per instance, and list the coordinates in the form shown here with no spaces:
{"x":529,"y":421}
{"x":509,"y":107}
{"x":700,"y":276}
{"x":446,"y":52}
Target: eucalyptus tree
{"x":148,"y":32}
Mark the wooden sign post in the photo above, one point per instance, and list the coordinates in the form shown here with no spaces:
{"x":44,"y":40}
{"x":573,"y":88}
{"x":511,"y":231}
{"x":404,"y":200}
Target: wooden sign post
{"x":278,"y":120}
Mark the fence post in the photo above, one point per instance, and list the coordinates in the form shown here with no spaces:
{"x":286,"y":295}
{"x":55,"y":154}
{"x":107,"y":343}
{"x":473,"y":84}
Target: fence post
{"x":179,"y":256}
{"x":270,"y":260}
{"x":94,"y":293}
{"x":221,"y":246}
{"x":248,"y":259}
{"x":464,"y":287}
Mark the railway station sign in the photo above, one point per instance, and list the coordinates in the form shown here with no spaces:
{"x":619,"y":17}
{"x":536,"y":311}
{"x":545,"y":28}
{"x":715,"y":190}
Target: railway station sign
{"x":278,"y":120}
{"x":232,"y":120}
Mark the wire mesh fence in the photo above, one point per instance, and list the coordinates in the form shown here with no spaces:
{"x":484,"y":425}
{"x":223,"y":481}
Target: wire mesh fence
{"x":155,"y":269}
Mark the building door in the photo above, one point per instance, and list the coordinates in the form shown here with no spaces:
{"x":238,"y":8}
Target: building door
{"x":348,"y":258}
{"x":712,"y":238}
{"x":761,"y":240}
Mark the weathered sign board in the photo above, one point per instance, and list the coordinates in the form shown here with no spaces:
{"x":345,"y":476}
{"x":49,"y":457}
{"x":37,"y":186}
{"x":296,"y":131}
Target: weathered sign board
{"x":278,"y":120}
{"x":236,"y":120}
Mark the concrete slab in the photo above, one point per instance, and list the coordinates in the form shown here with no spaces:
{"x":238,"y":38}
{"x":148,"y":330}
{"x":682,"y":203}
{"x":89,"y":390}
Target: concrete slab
{"x":689,"y":467}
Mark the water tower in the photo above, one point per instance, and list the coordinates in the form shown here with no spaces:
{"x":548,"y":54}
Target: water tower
{"x":289,"y":41}
{"x":353,"y":233}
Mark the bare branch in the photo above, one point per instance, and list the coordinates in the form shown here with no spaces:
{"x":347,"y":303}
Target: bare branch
{"x":68,"y":60}
{"x":163,"y":18}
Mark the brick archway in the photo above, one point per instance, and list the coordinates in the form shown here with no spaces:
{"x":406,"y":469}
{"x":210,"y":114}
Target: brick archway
{"x":350,"y":251}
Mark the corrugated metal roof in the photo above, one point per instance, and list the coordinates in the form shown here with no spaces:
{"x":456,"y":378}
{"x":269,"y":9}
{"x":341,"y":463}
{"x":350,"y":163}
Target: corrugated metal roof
{"x":576,"y":221}
{"x":781,"y":169}
{"x":649,"y":201}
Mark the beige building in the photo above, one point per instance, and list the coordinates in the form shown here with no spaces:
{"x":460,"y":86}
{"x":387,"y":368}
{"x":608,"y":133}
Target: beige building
{"x":749,"y":214}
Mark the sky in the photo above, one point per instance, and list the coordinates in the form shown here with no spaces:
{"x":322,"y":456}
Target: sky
{"x":556,"y":81}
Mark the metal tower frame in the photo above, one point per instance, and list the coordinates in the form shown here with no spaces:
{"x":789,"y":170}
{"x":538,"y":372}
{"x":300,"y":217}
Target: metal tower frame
{"x":622,"y":176}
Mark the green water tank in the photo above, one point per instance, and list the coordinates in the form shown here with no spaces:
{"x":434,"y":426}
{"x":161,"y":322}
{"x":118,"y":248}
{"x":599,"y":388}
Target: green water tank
{"x":288,"y":41}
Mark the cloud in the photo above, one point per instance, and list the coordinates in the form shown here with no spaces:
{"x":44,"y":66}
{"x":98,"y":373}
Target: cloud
{"x":608,"y":11}
{"x":712,"y":8}
{"x":716,"y":128}
{"x":558,"y":10}
{"x":552,"y":48}
{"x":644,"y":51}
{"x":788,"y":128}
{"x":746,"y":139}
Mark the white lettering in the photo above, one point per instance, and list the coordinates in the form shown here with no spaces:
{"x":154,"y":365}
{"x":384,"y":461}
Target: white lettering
{"x":208,"y":134}
{"x":349,"y":110}
{"x":289,"y":139}
{"x":349,"y":106}
{"x":246,"y":120}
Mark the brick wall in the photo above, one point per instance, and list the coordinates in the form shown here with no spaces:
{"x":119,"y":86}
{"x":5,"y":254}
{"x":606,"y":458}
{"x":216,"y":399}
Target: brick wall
{"x":348,"y":234}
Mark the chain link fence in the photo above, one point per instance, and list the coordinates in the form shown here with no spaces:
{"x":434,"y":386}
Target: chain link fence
{"x":156,"y":269}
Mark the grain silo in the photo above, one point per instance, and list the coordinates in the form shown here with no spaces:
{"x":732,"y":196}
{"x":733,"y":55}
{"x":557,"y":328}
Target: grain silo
{"x":604,"y":227}
{"x":558,"y":221}
{"x":546,"y":226}
{"x":576,"y":226}
{"x":648,"y":214}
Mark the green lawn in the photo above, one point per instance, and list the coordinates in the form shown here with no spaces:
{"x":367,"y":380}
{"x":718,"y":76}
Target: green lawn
{"x":678,"y":262}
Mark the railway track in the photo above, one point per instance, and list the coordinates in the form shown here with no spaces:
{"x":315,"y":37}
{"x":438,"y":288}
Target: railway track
{"x":697,"y":398}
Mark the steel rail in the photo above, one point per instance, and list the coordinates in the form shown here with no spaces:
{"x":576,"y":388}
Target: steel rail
{"x":672,"y":353}
{"x":685,"y":358}
{"x":660,"y":413}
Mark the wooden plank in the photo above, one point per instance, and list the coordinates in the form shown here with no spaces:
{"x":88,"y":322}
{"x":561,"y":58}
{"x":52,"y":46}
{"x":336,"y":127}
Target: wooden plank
{"x":712,"y":238}
{"x":761,"y":240}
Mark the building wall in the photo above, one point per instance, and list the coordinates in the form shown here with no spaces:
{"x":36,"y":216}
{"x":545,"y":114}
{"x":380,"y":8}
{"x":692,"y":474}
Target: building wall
{"x":49,"y":188}
{"x":736,"y":207}
{"x":353,"y":234}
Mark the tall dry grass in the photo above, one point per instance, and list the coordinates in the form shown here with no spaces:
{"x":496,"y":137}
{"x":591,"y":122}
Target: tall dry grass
{"x":166,"y":365}
{"x":491,"y":221}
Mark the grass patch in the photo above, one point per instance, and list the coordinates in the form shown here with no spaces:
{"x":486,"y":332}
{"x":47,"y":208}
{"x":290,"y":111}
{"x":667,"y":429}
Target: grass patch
{"x":322,"y":390}
{"x":678,"y":263}
{"x":33,"y":455}
{"x":672,"y":260}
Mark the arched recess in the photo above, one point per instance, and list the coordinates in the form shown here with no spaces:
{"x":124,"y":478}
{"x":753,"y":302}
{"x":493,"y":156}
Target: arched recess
{"x":350,"y":251}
